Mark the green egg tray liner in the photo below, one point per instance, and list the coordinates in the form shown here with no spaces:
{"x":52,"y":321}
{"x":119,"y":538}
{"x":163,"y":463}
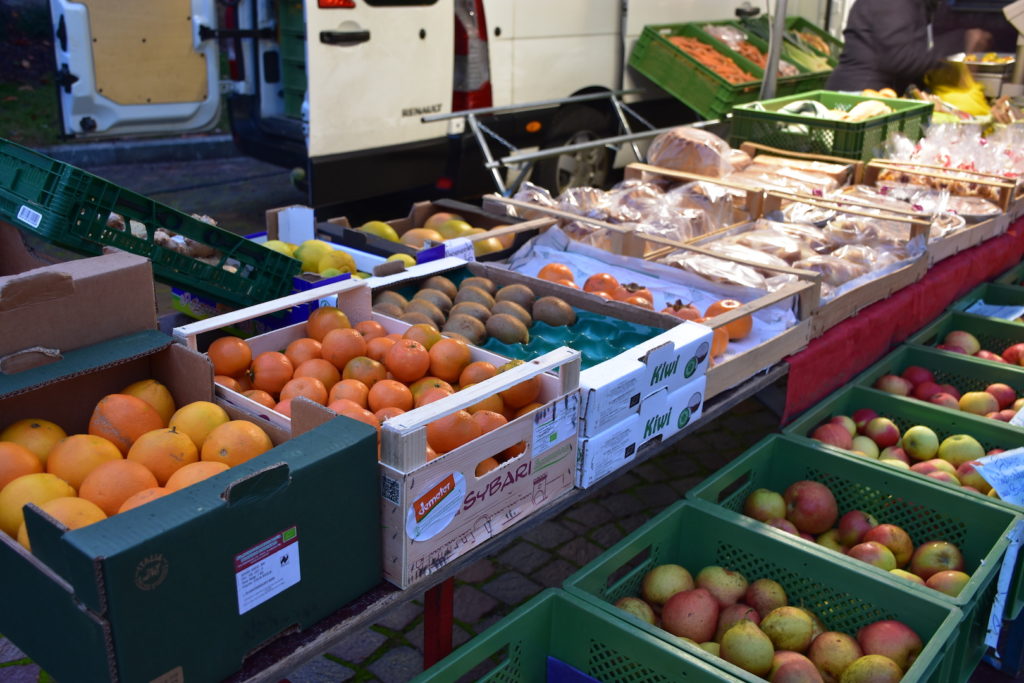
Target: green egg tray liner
{"x":597,"y":337}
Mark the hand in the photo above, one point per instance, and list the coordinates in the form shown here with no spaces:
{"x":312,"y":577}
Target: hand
{"x":977,"y":40}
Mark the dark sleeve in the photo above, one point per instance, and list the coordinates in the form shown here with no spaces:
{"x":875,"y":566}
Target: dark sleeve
{"x":901,"y":35}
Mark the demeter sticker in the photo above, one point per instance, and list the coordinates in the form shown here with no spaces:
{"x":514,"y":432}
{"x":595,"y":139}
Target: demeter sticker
{"x":432,"y":512}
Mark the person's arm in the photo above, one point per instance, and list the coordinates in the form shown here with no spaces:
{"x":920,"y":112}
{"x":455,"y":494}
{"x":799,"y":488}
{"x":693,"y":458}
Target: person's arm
{"x":901,"y":39}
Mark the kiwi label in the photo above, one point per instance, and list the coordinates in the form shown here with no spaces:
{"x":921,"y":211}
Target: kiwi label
{"x":664,"y":370}
{"x":691,"y":367}
{"x":657,"y":423}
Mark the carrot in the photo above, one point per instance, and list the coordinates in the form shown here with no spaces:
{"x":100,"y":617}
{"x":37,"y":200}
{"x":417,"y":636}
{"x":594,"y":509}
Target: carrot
{"x":712,"y":59}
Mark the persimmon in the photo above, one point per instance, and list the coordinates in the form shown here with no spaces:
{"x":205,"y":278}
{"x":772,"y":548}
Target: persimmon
{"x":567,"y":283}
{"x":271,"y":370}
{"x":351,"y":389}
{"x":370,"y":329}
{"x":230,"y":356}
{"x":451,"y":431}
{"x":603,"y":295}
{"x":301,"y":350}
{"x":477,"y":372}
{"x":556,"y":271}
{"x":639,"y":300}
{"x":737,"y":329}
{"x":681,"y":310}
{"x":325,"y":319}
{"x":407,"y":360}
{"x":310,"y":387}
{"x":341,"y":346}
{"x":378,"y":348}
{"x":600,"y":282}
{"x":389,"y":393}
{"x":319,"y":368}
{"x":448,"y":358}
{"x":365,"y":369}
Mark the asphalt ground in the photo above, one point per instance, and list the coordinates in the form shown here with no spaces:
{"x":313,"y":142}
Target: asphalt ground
{"x":237,"y":191}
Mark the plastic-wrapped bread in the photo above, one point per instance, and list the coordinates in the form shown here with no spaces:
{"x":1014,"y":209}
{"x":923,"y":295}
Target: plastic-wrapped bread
{"x":834,"y":270}
{"x":692,"y":150}
{"x":771,"y":242}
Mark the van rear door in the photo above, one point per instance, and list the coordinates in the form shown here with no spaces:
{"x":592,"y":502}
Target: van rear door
{"x":140,"y":67}
{"x":374,"y":67}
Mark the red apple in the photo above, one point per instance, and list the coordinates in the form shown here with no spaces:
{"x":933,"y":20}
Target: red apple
{"x":784,"y":524}
{"x":1004,"y":415}
{"x":810,"y":506}
{"x":969,"y":476}
{"x":1004,"y":394}
{"x":949,"y":582}
{"x":895,"y":539}
{"x":1012,"y":354}
{"x":862,"y":417}
{"x":934,"y":557}
{"x":925,"y":390}
{"x":988,"y":355}
{"x":853,"y":525}
{"x":916,"y":374}
{"x":691,"y":614}
{"x":883,"y":432}
{"x":847,"y":422}
{"x":951,"y":390}
{"x":933,"y":465}
{"x":834,"y":435}
{"x":894,"y":384}
{"x":945,"y":400}
{"x":874,"y":553}
{"x":944,"y":477}
{"x":894,"y":453}
{"x":764,"y":504}
{"x":892,"y":639}
{"x":965,"y":340}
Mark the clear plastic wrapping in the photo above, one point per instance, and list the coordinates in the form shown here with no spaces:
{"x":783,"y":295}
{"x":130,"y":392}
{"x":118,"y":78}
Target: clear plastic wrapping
{"x":692,"y":150}
{"x":784,"y":178}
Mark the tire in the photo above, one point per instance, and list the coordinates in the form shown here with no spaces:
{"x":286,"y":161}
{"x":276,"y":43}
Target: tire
{"x":589,"y":167}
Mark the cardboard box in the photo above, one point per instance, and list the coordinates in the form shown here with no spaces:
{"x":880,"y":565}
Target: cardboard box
{"x":129,"y":598}
{"x":659,"y":416}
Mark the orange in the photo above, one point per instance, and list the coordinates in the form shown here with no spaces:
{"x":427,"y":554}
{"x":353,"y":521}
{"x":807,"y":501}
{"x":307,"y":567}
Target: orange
{"x":431,"y":453}
{"x":389,"y":393}
{"x":197,"y":419}
{"x":371,"y":329}
{"x":429,"y":382}
{"x":365,"y":369}
{"x":528,"y":408}
{"x":319,"y":368}
{"x":448,"y":358}
{"x":514,"y":451}
{"x":341,"y":346}
{"x":143,"y":497}
{"x":301,"y":350}
{"x":377,"y":348}
{"x":451,"y":431}
{"x":271,"y":370}
{"x":76,"y":456}
{"x":244,"y":382}
{"x":351,"y":410}
{"x":16,"y":461}
{"x":114,"y":482}
{"x":194,"y":473}
{"x":30,"y":488}
{"x":488,"y":420}
{"x":310,"y":387}
{"x":486,"y":465}
{"x":235,"y":442}
{"x":521,"y":394}
{"x":556,"y":271}
{"x":323,"y":320}
{"x":155,"y":394}
{"x":387,"y":413}
{"x":261,"y":397}
{"x":230,"y":356}
{"x":164,"y":452}
{"x":407,"y":360}
{"x":38,"y":436}
{"x":229,"y":382}
{"x":477,"y":372}
{"x":122,"y":419}
{"x":351,"y":389}
{"x":74,"y":513}
{"x":737,"y":329}
{"x":601,"y":282}
{"x":425,"y":334}
{"x":395,"y":336}
{"x":719,"y":341}
{"x":430,"y":395}
{"x":284,"y":407}
{"x":492,"y":403}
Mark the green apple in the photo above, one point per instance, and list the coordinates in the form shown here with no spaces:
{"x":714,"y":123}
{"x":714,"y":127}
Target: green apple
{"x":380,"y":229}
{"x":920,"y":443}
{"x":960,"y":448}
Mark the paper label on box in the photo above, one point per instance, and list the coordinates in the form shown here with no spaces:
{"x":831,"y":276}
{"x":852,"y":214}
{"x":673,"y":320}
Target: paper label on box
{"x":295,"y":224}
{"x":555,"y":423}
{"x":267,"y":569}
{"x":29,"y":216}
{"x":1005,"y":472}
{"x":432,"y":512}
{"x":460,"y":247}
{"x":995,"y":311}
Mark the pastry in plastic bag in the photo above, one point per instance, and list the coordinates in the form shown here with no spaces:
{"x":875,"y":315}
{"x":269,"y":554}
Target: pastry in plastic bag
{"x":692,"y":150}
{"x":834,"y":270}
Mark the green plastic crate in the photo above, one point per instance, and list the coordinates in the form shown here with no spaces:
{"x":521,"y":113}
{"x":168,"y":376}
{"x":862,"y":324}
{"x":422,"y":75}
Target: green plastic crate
{"x":993,"y":334}
{"x":836,"y":45}
{"x":1013,"y":276}
{"x":861,"y":140}
{"x":683,"y":77}
{"x":926,"y":510}
{"x":695,"y":535}
{"x":556,"y":624}
{"x":292,"y":41}
{"x":993,"y":294}
{"x":70,"y":207}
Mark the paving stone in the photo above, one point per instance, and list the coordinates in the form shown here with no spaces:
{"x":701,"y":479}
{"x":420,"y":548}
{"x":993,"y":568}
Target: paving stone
{"x":524,"y":557}
{"x":359,"y":645}
{"x":622,"y":482}
{"x":720,"y":441}
{"x":9,"y":652}
{"x":400,"y":617}
{"x":590,"y":512}
{"x":650,"y":471}
{"x":679,"y":464}
{"x":657,"y":496}
{"x":630,"y":524}
{"x":553,"y":574}
{"x":607,"y":536}
{"x":579,"y":551}
{"x":681,"y":486}
{"x":398,"y":665}
{"x":577,"y":528}
{"x":319,"y":670}
{"x":459,"y":636}
{"x":477,"y":572}
{"x":512,"y":588}
{"x":548,"y":535}
{"x":622,"y":504}
{"x":490,"y":620}
{"x":470,"y":603}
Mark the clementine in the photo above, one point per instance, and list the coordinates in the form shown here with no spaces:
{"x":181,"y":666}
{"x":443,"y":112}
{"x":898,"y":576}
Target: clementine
{"x":448,"y":358}
{"x":351,"y":389}
{"x":451,"y":431}
{"x":230,"y":356}
{"x":271,"y":370}
{"x":389,"y":393}
{"x":301,"y":350}
{"x":407,"y":360}
{"x":323,"y":320}
{"x":341,"y":346}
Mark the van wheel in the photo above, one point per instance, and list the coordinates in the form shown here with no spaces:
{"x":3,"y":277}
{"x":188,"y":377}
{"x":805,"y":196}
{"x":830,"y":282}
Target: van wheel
{"x":585,"y":167}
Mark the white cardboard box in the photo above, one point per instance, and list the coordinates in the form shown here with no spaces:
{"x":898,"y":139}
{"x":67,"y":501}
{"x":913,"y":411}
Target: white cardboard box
{"x":612,"y":391}
{"x":660,"y":415}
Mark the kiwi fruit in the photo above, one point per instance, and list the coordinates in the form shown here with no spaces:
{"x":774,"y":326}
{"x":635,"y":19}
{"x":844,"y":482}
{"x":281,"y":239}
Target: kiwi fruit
{"x":475,"y":294}
{"x":478,"y":311}
{"x":513,"y":309}
{"x":390,"y":297}
{"x":468,"y":327}
{"x":388,"y":309}
{"x":456,"y":335}
{"x":426,"y":308}
{"x":415,"y":318}
{"x":483,"y":283}
{"x":520,"y":294}
{"x":436,"y":297}
{"x":553,"y":311}
{"x":441,"y":284}
{"x":507,"y":329}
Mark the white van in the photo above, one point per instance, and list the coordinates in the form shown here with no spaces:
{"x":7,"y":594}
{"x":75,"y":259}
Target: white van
{"x":339,"y":87}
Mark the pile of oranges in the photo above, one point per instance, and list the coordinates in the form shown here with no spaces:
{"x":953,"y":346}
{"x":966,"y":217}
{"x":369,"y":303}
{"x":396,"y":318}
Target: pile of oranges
{"x":363,"y":372}
{"x":608,"y":287}
{"x":138,"y":447}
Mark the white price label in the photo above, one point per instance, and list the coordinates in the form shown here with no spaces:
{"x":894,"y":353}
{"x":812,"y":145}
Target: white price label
{"x":459,"y":247}
{"x":555,"y":423}
{"x":267,"y":569}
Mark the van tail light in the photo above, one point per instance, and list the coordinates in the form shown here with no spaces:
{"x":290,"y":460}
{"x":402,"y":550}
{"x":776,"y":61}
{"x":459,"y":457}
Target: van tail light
{"x":472,"y":79}
{"x":336,"y":4}
{"x":236,"y":66}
